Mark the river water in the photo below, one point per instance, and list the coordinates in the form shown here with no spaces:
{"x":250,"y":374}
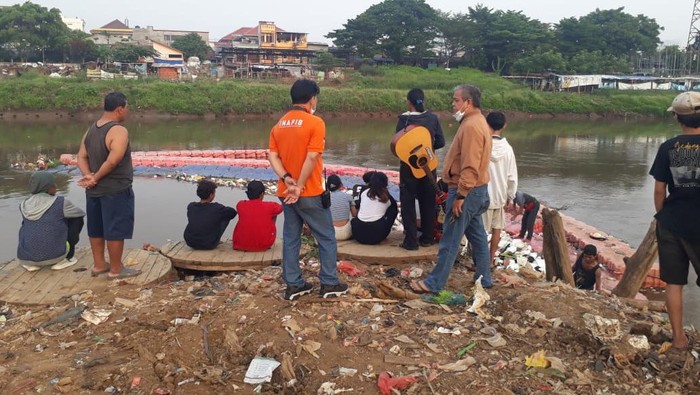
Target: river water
{"x":596,"y":171}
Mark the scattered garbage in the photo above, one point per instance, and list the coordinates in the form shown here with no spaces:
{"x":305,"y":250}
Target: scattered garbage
{"x":603,"y":329}
{"x":96,"y":316}
{"x":466,"y":349}
{"x":459,"y":366}
{"x":537,"y":360}
{"x":480,"y":299}
{"x":260,"y":370}
{"x":388,"y":384}
{"x":639,"y":342}
{"x":446,"y":297}
{"x":413,"y":272}
{"x":328,"y":388}
{"x":349,"y":269}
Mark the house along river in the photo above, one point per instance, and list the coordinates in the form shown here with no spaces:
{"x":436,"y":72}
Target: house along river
{"x":595,"y":171}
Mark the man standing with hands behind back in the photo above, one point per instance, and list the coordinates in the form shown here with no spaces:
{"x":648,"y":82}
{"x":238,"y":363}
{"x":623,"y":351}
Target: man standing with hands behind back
{"x":297,"y":142}
{"x":105,"y":161}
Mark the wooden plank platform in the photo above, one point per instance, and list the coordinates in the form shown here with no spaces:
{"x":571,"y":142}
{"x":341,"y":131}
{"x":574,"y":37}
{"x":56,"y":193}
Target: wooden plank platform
{"x":222,"y":258}
{"x":386,"y":252}
{"x":47,"y":286}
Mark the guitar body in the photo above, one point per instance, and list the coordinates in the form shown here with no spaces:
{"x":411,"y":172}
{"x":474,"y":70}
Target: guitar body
{"x":414,"y":147}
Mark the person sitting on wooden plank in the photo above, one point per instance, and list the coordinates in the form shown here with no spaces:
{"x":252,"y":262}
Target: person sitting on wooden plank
{"x":342,"y":208}
{"x":206,"y":221}
{"x":255,"y":230}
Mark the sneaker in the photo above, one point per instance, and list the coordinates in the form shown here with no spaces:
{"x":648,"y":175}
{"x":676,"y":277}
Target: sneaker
{"x":333,"y":290}
{"x":31,"y":268}
{"x":293,"y":292}
{"x":64,"y":264}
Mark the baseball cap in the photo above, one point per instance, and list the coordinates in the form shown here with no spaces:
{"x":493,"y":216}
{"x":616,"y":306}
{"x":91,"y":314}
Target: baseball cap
{"x":687,"y":103}
{"x":255,"y":189}
{"x":590,"y":249}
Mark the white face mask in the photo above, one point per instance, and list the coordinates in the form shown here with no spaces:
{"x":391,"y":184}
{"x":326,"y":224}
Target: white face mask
{"x":458,"y":116}
{"x":313,"y":111}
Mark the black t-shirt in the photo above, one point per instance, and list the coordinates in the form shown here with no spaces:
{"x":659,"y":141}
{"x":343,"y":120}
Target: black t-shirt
{"x":678,"y":165}
{"x":204,"y":222}
{"x":584,"y":279}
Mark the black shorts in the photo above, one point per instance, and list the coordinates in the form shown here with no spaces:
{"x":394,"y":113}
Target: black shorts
{"x":675,"y":257}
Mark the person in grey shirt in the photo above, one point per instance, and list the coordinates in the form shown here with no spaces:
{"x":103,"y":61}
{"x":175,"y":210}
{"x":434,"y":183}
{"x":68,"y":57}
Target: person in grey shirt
{"x":105,"y":161}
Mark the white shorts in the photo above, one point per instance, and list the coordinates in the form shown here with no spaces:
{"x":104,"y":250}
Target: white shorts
{"x":343,"y":232}
{"x":494,"y":218}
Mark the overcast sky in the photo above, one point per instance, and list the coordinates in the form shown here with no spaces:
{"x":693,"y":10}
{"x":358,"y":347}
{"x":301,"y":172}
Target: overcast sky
{"x":318,"y":17}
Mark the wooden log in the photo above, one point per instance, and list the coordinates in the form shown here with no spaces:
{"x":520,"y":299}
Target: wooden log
{"x":649,"y":305}
{"x":638,"y":265}
{"x":556,"y":248}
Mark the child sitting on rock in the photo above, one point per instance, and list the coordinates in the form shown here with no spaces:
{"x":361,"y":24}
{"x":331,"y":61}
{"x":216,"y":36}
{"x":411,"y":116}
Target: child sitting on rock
{"x":587,"y":274}
{"x":255,"y":230}
{"x":50,"y":228}
{"x":206,"y":221}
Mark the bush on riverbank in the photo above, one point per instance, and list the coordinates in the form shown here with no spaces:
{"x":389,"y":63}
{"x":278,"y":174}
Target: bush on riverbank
{"x":383,"y":91}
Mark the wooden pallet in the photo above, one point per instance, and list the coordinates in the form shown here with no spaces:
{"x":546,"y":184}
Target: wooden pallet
{"x":222,"y":258}
{"x":47,"y":286}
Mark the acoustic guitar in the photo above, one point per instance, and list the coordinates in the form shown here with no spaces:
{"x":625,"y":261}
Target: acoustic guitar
{"x":413,"y":145}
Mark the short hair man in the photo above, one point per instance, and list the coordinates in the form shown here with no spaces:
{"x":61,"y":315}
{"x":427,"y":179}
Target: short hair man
{"x":206,"y":220}
{"x":297,"y":142}
{"x":256,"y":229}
{"x":503,"y":172}
{"x":104,"y":159}
{"x":466,"y":172}
{"x":586,"y":270}
{"x":677,"y":168}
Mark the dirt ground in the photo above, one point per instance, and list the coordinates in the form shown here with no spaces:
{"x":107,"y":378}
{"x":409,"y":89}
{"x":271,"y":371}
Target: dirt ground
{"x":198,"y":335}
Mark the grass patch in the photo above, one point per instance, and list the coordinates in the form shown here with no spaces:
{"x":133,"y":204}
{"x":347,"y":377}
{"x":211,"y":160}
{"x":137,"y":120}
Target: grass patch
{"x":377,"y":89}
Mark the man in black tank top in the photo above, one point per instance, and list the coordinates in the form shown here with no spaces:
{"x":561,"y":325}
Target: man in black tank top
{"x":105,"y":161}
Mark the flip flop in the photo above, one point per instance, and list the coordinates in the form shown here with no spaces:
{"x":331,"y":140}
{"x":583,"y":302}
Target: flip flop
{"x":419,"y":287}
{"x":95,"y":273}
{"x":687,"y":347}
{"x":125,"y":273}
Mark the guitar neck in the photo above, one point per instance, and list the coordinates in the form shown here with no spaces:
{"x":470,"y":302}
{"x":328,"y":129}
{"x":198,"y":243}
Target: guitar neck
{"x":431,"y":177}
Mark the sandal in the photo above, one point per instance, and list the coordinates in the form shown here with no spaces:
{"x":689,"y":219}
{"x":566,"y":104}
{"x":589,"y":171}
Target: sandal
{"x":95,"y":273}
{"x":419,"y":287}
{"x":687,"y":347}
{"x":125,"y":273}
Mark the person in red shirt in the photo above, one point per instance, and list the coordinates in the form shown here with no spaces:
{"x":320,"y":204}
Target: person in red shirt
{"x":255,"y":230}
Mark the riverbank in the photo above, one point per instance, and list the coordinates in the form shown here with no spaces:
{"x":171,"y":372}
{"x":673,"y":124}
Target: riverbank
{"x":199,"y":335}
{"x":357,"y":95}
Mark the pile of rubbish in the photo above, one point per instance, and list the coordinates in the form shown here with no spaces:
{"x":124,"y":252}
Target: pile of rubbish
{"x":233,"y":332}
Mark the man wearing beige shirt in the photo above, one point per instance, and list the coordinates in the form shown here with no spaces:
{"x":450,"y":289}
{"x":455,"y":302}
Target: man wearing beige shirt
{"x":466,"y":172}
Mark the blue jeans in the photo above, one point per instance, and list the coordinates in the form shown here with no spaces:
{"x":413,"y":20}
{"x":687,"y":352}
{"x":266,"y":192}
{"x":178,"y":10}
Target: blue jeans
{"x":470,"y":224}
{"x":310,"y":211}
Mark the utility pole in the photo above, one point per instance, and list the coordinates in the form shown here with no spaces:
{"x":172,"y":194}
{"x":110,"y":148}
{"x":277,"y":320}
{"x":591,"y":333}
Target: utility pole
{"x":693,"y":47}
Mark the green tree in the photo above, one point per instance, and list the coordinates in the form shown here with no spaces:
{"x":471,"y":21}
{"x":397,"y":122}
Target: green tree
{"x":502,"y":37}
{"x":612,"y":32}
{"x":326,"y":61}
{"x":192,"y":45}
{"x":130,"y":53}
{"x":596,"y":62}
{"x":401,"y":29}
{"x":454,"y":34}
{"x":540,"y":62}
{"x":29,"y":29}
